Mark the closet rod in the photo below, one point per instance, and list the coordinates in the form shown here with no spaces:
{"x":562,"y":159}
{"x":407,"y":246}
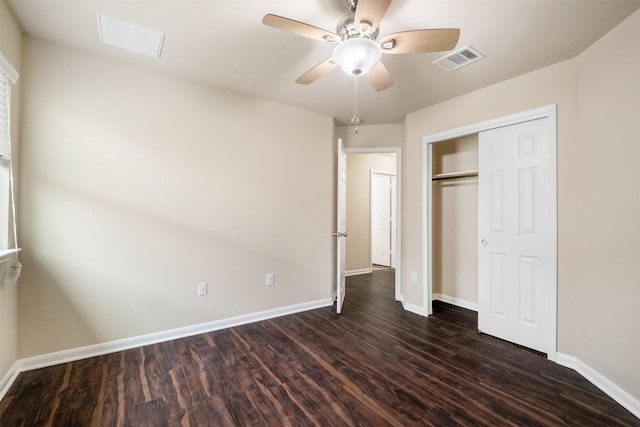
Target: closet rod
{"x":454,"y":175}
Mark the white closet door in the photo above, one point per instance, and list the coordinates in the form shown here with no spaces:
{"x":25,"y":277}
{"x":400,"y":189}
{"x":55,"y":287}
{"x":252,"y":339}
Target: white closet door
{"x":516,"y":239}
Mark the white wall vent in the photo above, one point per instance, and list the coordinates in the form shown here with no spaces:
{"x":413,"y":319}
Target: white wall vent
{"x":130,"y":37}
{"x":458,"y":59}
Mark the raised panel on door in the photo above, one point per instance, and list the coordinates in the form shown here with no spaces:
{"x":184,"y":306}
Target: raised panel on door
{"x":496,"y":295}
{"x":527,"y":290}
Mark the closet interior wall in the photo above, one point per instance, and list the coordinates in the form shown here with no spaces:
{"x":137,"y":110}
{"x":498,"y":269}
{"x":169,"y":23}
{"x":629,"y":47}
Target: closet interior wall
{"x":455,"y":222}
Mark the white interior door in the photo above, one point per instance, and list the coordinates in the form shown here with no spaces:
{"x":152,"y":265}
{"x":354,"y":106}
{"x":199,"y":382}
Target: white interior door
{"x":341,"y":233}
{"x":516,"y":236}
{"x":381,"y":219}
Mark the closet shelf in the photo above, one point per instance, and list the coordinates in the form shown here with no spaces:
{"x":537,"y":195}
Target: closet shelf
{"x":6,"y":253}
{"x":454,"y":175}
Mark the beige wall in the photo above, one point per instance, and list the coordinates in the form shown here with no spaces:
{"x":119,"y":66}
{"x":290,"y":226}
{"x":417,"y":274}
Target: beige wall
{"x":455,"y":221}
{"x":10,"y":46}
{"x":139,"y":185}
{"x":358,"y":205}
{"x":607,"y":304}
{"x":598,"y":206}
{"x":372,"y":136}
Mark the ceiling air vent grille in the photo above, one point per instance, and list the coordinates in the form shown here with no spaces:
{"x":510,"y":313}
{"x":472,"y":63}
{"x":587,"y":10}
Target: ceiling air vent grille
{"x":130,"y":37}
{"x":459,"y":58}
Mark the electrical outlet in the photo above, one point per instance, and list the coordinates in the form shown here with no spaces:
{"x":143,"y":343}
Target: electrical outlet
{"x":414,"y":276}
{"x":202,"y":289}
{"x":269,"y":279}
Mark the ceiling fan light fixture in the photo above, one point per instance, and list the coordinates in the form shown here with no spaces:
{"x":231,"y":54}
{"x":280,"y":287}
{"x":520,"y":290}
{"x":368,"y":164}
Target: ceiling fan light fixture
{"x":357,"y":55}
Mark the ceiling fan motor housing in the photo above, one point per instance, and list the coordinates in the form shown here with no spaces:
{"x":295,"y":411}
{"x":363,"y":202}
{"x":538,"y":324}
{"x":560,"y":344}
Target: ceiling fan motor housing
{"x":347,"y":29}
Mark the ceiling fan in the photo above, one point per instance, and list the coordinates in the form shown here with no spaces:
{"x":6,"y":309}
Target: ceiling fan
{"x":358,"y":49}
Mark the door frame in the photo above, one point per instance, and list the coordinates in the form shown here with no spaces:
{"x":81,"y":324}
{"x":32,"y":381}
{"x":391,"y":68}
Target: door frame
{"x":548,"y":112}
{"x":397,"y":256}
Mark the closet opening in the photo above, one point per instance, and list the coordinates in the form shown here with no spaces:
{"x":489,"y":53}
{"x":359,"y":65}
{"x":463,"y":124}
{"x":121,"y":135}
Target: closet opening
{"x":454,"y":186}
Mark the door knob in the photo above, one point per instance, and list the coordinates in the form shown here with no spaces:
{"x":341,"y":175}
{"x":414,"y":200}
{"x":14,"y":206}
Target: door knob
{"x":484,"y":242}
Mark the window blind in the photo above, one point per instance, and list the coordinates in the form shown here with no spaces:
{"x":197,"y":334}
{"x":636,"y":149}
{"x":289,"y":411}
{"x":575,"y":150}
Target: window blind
{"x":5,"y":117}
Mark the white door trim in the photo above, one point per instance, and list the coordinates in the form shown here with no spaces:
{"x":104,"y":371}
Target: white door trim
{"x":550,"y":112}
{"x":398,"y":254}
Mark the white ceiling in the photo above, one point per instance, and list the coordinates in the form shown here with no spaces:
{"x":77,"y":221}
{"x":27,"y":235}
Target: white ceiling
{"x":223,"y":42}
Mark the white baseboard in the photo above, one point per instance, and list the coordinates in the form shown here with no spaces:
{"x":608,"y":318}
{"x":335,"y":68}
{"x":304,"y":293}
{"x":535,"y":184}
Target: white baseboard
{"x":456,"y":301}
{"x":603,"y":383}
{"x":416,"y":309}
{"x":356,"y":272}
{"x":70,"y":355}
{"x":8,"y":379}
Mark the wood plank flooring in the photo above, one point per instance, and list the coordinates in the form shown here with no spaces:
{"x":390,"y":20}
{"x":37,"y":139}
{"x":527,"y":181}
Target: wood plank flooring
{"x":373,"y":365}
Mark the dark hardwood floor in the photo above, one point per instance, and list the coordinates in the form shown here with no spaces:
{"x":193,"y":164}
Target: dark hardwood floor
{"x":373,"y":365}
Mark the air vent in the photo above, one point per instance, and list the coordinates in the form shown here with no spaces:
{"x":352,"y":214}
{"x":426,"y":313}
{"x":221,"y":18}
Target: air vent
{"x":130,"y":37}
{"x":459,"y":58}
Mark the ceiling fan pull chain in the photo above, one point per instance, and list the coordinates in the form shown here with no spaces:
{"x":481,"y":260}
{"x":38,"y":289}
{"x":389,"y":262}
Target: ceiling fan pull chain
{"x":355,"y":120}
{"x":355,"y":96}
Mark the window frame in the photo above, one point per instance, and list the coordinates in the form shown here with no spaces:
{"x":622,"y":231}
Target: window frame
{"x":8,"y":77}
